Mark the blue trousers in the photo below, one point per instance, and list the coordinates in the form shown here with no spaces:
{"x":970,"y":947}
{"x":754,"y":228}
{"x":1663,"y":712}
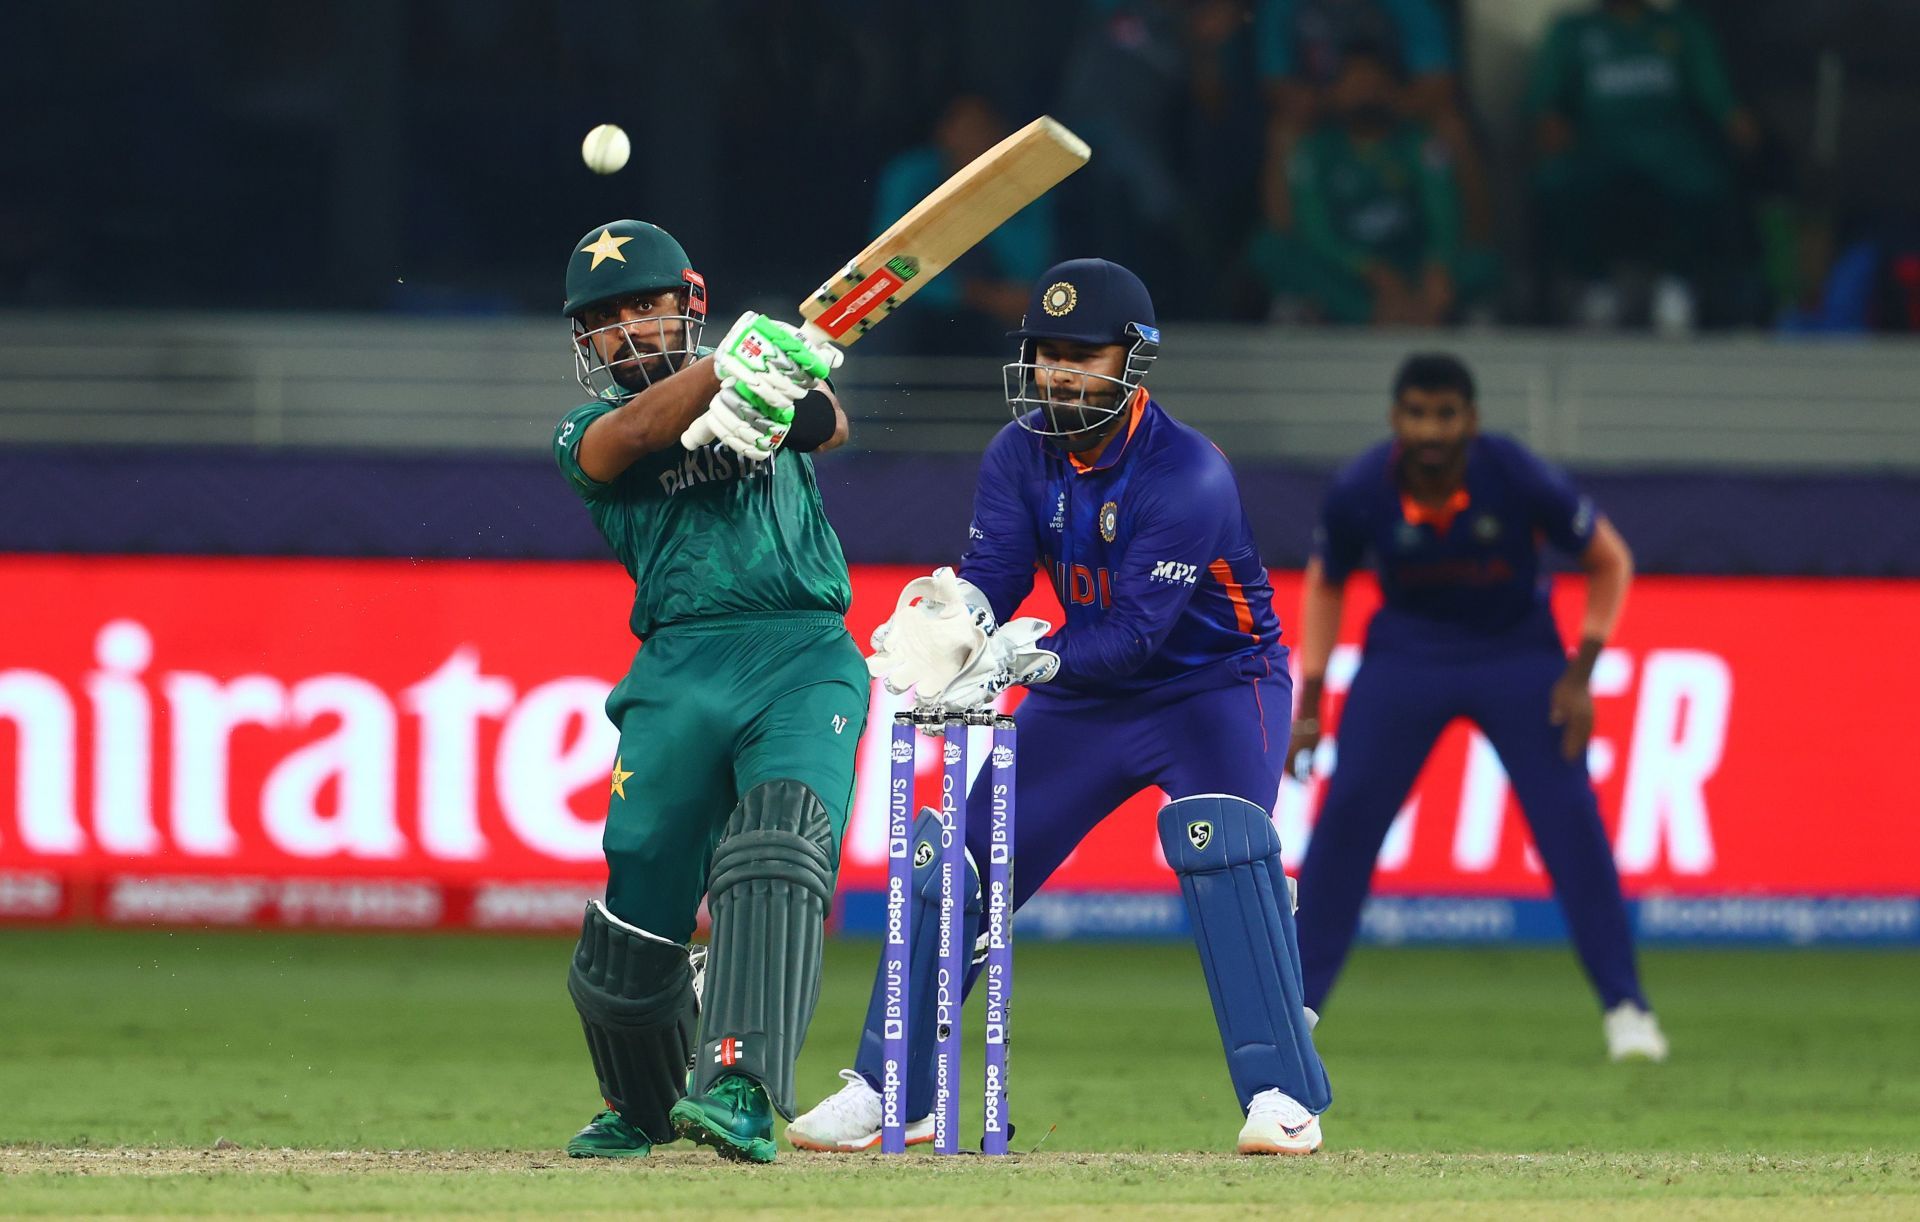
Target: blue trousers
{"x":1221,"y":732}
{"x":1397,"y":707}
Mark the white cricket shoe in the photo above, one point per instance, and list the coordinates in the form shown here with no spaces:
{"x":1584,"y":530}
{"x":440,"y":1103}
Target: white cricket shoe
{"x":848,"y":1121}
{"x":1276,"y":1124}
{"x":1633,"y":1032}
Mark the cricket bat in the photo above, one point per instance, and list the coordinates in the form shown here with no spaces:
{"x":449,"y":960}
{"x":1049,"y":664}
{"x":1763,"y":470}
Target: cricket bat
{"x":934,"y":232}
{"x":940,"y":228}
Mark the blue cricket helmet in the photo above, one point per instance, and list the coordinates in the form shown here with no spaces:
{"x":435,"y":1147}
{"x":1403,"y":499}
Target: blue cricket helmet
{"x":1093,"y":301}
{"x":1089,"y":301}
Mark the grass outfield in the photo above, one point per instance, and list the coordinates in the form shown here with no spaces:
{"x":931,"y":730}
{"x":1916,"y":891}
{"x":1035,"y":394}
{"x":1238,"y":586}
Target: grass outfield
{"x":369,"y":1074}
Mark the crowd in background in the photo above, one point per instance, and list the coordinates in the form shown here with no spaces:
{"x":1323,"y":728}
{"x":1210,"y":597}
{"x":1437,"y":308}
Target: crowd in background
{"x":1297,"y":160}
{"x":1315,"y":160}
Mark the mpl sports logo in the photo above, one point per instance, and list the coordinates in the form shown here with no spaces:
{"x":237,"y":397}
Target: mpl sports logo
{"x":1175,"y":572}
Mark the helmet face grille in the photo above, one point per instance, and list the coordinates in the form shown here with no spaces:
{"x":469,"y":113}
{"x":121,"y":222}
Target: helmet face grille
{"x":639,"y":353}
{"x":1050,"y":401}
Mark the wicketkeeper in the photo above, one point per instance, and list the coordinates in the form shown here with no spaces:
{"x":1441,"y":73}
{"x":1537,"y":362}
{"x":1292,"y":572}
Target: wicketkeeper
{"x":1168,"y":673}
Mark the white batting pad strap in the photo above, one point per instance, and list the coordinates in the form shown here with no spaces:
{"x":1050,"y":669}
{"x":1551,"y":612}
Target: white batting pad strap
{"x":606,"y":913}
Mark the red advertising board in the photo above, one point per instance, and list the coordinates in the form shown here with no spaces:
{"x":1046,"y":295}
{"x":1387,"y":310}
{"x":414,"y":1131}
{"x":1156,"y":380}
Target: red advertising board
{"x":394,"y":743}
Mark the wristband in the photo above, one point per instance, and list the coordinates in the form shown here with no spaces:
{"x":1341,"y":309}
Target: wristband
{"x":813,"y":423}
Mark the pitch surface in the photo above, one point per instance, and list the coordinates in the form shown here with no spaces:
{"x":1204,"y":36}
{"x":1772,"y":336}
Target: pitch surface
{"x":224,"y":1073}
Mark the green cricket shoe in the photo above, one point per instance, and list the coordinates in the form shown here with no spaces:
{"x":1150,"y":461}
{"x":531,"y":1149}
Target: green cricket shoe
{"x":608,"y":1135}
{"x":734,"y":1118}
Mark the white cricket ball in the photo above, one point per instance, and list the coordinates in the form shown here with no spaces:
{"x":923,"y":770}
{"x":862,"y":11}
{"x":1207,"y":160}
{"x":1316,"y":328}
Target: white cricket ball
{"x":605,"y":149}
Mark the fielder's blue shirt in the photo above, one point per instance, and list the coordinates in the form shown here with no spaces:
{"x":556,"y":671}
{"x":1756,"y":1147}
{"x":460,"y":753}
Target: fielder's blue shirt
{"x":1148,"y":550}
{"x":1467,"y":574}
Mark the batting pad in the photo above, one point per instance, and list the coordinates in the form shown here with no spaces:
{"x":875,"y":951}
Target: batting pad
{"x":923,"y":966}
{"x":1227,"y":855}
{"x":768,"y":891}
{"x":634,"y":992}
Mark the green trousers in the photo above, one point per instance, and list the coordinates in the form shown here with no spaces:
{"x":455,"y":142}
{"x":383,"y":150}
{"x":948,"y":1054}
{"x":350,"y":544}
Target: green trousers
{"x":1664,"y":200}
{"x":1288,"y":265}
{"x":709,"y":709}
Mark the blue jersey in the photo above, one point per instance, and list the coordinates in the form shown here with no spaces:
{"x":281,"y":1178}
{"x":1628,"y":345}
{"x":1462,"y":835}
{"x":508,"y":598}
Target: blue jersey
{"x":1148,"y":550}
{"x":1467,"y":573}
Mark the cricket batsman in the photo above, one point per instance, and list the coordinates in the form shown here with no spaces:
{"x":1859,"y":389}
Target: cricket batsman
{"x":1168,"y":672}
{"x":1454,"y":521}
{"x":738,"y":720}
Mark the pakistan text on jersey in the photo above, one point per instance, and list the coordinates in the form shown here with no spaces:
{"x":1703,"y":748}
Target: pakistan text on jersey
{"x":706,"y":465}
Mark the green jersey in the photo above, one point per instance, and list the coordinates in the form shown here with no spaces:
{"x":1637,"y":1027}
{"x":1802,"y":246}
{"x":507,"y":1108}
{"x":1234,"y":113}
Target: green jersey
{"x":1390,"y":200}
{"x":1647,"y":84}
{"x":707,"y":533}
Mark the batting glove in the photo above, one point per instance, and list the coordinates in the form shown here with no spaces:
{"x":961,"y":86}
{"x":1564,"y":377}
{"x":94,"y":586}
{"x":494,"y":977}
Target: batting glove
{"x":768,"y":365}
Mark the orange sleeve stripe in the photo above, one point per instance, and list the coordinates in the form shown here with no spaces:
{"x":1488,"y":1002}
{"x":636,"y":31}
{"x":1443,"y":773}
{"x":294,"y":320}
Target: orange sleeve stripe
{"x":1242,"y":613}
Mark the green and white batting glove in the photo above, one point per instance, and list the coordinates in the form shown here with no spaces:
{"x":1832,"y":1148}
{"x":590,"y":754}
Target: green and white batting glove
{"x":769,"y":365}
{"x":743,"y":427}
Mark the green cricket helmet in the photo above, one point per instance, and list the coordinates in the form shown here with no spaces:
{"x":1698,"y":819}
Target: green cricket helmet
{"x":625,"y":259}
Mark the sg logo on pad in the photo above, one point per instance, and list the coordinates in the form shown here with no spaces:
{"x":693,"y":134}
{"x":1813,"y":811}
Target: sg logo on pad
{"x":1200,"y":832}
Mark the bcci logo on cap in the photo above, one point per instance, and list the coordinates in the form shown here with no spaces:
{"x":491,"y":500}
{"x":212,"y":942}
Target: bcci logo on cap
{"x":902,"y":751}
{"x":1060,"y":299}
{"x":1200,"y":833}
{"x":1003,"y":757}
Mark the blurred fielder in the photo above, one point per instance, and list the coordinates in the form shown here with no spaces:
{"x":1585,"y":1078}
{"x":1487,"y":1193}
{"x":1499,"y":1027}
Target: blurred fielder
{"x":739,"y":719}
{"x":1454,"y":522}
{"x":1169,"y":672}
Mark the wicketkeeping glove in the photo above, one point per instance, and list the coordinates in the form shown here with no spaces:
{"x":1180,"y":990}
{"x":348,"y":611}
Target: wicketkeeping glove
{"x":938,"y":623}
{"x":1011,"y":657}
